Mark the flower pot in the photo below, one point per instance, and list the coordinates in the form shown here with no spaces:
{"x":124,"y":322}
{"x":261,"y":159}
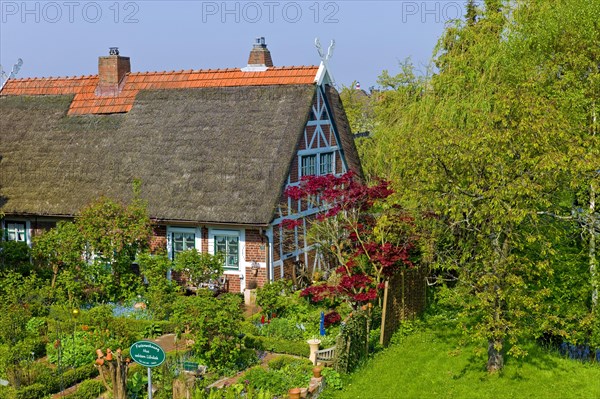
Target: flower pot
{"x":317,"y":371}
{"x":294,"y":393}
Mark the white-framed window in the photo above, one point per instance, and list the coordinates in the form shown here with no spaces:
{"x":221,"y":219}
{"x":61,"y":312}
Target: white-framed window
{"x":15,"y":231}
{"x":309,"y":165}
{"x":326,"y":163}
{"x":181,"y":239}
{"x":321,"y":163}
{"x":230,"y":244}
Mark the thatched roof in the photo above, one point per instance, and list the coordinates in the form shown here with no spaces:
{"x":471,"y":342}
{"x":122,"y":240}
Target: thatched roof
{"x":343,"y":128}
{"x":204,"y":154}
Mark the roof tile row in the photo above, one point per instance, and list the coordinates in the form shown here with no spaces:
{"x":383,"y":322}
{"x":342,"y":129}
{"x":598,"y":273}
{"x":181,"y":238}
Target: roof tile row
{"x":87,"y":102}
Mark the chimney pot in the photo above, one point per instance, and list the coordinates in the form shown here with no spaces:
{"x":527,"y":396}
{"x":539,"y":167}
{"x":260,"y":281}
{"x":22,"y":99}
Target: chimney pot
{"x":260,"y":56}
{"x":113,"y":51}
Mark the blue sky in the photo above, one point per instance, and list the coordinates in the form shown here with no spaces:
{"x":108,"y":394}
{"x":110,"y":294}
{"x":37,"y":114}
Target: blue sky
{"x":65,"y":38}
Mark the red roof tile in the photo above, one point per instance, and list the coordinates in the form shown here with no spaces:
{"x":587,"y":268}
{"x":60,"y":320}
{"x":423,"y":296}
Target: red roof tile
{"x":85,"y":100}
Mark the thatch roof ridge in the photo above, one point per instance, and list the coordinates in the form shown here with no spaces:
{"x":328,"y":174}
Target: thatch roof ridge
{"x":145,"y":73}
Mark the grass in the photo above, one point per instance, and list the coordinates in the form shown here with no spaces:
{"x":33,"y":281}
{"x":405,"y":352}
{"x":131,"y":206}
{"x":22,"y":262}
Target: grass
{"x":430,"y":363}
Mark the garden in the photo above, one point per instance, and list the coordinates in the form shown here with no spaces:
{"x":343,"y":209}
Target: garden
{"x":73,"y":303}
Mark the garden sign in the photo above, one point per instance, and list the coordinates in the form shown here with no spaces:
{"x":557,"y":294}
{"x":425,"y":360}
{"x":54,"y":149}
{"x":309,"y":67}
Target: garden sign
{"x":147,"y":354}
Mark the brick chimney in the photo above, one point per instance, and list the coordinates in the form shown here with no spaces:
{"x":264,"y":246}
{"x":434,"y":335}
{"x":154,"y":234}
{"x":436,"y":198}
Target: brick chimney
{"x":111,"y":73}
{"x":260,"y":56}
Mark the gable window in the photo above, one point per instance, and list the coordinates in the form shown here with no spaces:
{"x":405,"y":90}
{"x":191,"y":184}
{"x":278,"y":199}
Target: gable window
{"x":309,"y":165}
{"x":229,"y":245}
{"x":326,"y":163}
{"x":15,"y":231}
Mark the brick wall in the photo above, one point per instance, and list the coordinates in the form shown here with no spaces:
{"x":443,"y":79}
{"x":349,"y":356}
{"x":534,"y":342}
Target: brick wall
{"x":158,"y":242}
{"x":233,"y":282}
{"x":256,"y":278}
{"x":255,"y":246}
{"x":294,"y":169}
{"x":204,"y":240}
{"x":288,"y":266}
{"x":277,"y":273}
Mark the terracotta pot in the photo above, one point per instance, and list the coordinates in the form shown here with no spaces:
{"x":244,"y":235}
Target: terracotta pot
{"x":294,"y":393}
{"x":317,"y":371}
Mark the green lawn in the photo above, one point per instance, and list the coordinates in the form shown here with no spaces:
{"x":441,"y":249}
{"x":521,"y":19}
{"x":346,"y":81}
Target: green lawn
{"x":430,"y":364}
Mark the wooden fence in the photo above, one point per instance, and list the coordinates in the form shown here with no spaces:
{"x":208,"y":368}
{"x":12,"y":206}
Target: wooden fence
{"x":405,"y":296}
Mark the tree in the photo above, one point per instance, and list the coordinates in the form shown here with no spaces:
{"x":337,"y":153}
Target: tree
{"x":159,"y":289}
{"x":114,"y":234}
{"x":60,"y":248}
{"x":479,"y":148}
{"x":365,"y":239}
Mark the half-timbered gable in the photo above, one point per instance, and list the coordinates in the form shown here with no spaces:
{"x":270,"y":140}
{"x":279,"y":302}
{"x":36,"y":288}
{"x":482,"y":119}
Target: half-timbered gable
{"x":320,"y":151}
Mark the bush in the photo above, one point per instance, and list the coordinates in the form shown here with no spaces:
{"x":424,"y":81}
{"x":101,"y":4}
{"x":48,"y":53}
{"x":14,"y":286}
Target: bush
{"x":277,"y":345}
{"x":288,"y":373}
{"x":79,"y":348}
{"x":90,"y":389}
{"x":272,"y":297}
{"x":281,"y":362}
{"x":54,"y":382}
{"x":246,"y":358}
{"x":34,"y":391}
{"x":283,"y":328}
{"x":15,"y":256}
{"x":333,"y":379}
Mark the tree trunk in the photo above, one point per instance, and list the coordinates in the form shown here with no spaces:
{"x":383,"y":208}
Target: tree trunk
{"x":495,"y":357}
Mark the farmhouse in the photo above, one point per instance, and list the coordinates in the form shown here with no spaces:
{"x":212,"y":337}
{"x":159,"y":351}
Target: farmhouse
{"x":214,"y":150}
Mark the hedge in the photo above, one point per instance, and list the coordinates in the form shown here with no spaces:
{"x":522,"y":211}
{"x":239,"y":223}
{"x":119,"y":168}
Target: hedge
{"x":50,"y":383}
{"x":277,"y":345}
{"x":89,"y":389}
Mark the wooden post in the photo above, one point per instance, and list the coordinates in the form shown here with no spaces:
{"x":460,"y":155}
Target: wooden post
{"x":383,"y":313}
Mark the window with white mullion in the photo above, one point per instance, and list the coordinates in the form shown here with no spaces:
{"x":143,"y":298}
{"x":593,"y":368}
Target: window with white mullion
{"x":15,"y":231}
{"x":229,"y":246}
{"x":326,"y":163}
{"x":308,"y":165}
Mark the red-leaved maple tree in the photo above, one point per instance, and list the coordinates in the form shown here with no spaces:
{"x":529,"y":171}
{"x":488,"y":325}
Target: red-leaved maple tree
{"x":367,"y":238}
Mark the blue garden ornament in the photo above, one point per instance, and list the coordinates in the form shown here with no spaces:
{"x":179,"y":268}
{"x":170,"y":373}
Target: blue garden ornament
{"x":322,"y":324}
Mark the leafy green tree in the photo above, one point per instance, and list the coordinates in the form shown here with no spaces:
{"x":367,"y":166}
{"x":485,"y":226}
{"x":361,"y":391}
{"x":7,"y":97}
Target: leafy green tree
{"x":159,"y":290}
{"x":60,"y":249}
{"x":114,"y":234}
{"x":481,"y":147}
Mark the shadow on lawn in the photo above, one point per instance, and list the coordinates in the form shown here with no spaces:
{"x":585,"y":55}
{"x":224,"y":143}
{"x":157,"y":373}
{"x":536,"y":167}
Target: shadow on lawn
{"x":515,"y":369}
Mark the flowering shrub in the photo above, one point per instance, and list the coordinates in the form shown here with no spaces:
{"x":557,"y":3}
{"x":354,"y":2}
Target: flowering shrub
{"x":355,"y":225}
{"x":332,"y":318}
